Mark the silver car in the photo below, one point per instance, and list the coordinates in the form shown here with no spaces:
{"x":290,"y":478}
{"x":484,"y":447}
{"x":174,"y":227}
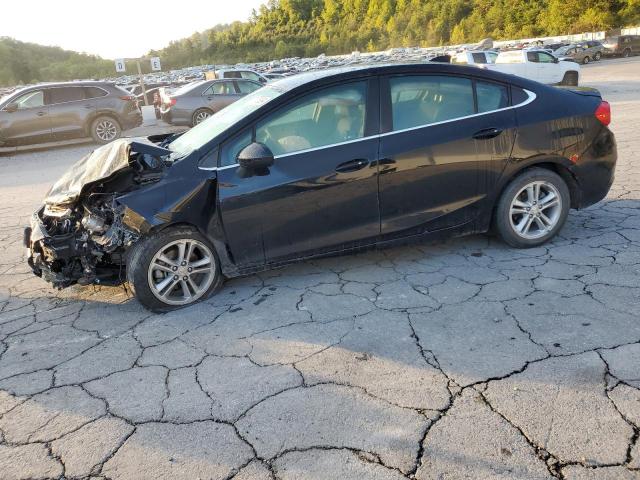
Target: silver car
{"x":193,"y":103}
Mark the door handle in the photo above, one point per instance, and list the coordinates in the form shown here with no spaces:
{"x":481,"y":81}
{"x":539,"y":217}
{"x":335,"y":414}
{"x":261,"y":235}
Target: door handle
{"x":487,"y":133}
{"x":352,"y":165}
{"x":40,"y":114}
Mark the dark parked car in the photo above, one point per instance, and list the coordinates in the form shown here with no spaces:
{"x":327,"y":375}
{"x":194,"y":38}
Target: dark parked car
{"x":197,"y":101}
{"x":622,"y":45}
{"x":323,"y":163}
{"x":59,"y":111}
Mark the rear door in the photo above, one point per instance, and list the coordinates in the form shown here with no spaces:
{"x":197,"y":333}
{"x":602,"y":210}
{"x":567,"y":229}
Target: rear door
{"x":321,"y":193}
{"x":443,"y":133}
{"x":220,"y":95}
{"x":30,"y":123}
{"x":69,"y":110}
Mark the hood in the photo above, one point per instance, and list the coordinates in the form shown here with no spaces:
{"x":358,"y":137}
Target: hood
{"x":101,"y":164}
{"x":98,"y":165}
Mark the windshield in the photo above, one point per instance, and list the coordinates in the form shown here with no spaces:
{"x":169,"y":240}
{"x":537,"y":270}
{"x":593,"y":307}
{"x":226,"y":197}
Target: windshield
{"x":563,"y":50}
{"x":221,"y":121}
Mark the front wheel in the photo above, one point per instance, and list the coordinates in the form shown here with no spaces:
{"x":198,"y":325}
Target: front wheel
{"x":586,"y":60}
{"x":172,"y":269}
{"x":597,"y":56}
{"x":533,"y":208}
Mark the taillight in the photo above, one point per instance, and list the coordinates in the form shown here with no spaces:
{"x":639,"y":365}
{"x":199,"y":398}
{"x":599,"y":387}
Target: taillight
{"x":172,"y":101}
{"x":603,"y":113}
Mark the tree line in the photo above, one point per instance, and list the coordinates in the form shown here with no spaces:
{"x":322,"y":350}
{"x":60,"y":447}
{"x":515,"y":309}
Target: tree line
{"x":289,"y":28}
{"x":296,"y":28}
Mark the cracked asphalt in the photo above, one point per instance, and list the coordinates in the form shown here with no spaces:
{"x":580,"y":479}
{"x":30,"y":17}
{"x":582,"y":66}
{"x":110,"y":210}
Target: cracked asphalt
{"x":459,"y":360}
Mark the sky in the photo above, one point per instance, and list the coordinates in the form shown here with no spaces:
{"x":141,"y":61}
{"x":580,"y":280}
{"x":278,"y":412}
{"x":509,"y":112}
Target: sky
{"x":117,"y":28}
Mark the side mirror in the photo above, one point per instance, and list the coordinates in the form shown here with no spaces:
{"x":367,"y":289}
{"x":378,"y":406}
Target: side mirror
{"x":12,"y":107}
{"x":255,"y":156}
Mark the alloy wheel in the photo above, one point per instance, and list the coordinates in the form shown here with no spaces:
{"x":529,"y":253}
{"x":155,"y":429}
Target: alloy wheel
{"x":181,"y":272}
{"x":200,"y":117}
{"x":535,"y":210}
{"x":106,"y":130}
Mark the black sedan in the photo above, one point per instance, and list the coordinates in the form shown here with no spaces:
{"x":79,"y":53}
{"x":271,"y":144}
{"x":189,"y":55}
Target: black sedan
{"x":323,"y":163}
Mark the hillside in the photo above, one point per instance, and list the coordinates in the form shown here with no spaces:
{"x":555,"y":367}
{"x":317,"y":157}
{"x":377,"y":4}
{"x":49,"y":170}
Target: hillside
{"x":308,"y":27}
{"x":22,"y":63}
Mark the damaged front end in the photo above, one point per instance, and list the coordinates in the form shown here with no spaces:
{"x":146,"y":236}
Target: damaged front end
{"x":80,"y":234}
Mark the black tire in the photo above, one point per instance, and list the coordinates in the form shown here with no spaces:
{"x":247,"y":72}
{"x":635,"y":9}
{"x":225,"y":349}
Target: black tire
{"x":586,"y":60}
{"x":200,"y":115}
{"x":141,"y":255}
{"x":626,"y":53}
{"x":105,"y":129}
{"x":504,"y":219}
{"x":570,"y":79}
{"x":598,"y":56}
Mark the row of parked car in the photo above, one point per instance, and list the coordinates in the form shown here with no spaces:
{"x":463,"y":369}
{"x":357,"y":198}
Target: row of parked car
{"x":101,"y":110}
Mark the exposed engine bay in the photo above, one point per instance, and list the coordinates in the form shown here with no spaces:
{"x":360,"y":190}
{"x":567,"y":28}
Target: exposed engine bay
{"x":80,"y":234}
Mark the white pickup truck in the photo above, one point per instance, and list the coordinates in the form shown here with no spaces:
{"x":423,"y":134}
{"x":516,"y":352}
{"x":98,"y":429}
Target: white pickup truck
{"x":536,"y":65}
{"x":475,"y":57}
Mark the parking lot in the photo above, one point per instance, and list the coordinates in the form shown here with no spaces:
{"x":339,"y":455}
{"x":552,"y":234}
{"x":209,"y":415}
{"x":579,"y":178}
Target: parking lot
{"x":458,"y":360}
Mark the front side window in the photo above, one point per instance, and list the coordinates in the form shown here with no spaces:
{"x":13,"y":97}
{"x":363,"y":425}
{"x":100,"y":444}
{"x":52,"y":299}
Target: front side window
{"x":424,"y":100}
{"x":327,"y":117}
{"x":65,"y":94}
{"x":247,"y":87}
{"x":231,"y":148}
{"x":30,"y":100}
{"x":544,"y":57}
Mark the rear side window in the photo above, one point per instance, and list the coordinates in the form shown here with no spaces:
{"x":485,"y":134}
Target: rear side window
{"x":424,"y":100}
{"x":250,"y":76}
{"x":247,"y":87}
{"x":518,"y":96}
{"x":491,"y":96}
{"x":94,"y":92}
{"x":478,"y":58}
{"x":65,"y":94}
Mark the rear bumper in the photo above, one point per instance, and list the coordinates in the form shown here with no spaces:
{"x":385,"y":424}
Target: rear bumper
{"x":176,"y":116}
{"x":595,"y":171}
{"x":132,"y":120}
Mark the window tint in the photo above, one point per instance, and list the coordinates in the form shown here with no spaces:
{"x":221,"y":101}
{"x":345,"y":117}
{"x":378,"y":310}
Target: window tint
{"x":221,"y":88}
{"x":31,"y":100}
{"x":231,"y":148}
{"x":491,"y":96}
{"x":544,"y":57}
{"x":94,"y":92}
{"x":518,"y":96}
{"x":247,"y":87}
{"x":425,"y":100}
{"x":478,"y":57}
{"x":250,"y":76}
{"x":333,"y":115}
{"x":65,"y":94}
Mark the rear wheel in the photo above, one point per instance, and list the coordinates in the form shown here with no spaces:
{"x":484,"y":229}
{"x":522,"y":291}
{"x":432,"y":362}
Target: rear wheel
{"x":200,"y":116}
{"x":597,"y":56}
{"x":172,"y":269}
{"x":570,"y":79}
{"x":586,"y":60}
{"x":105,"y":129}
{"x":626,"y":53}
{"x":533,"y":208}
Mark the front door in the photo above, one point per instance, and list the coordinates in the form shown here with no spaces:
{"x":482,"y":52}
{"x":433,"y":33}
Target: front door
{"x":321,"y":192}
{"x":29,"y":123}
